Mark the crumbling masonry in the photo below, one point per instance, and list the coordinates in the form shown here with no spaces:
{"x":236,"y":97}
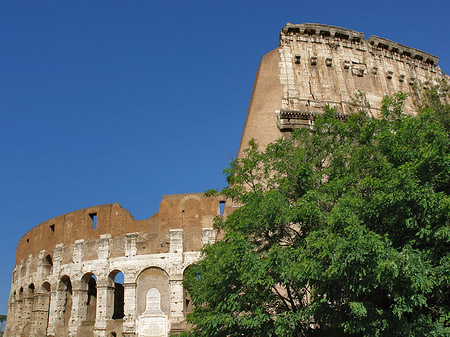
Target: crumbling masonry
{"x":65,"y":279}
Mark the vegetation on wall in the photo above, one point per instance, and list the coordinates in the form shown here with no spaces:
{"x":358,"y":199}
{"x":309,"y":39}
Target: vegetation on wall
{"x":344,"y":230}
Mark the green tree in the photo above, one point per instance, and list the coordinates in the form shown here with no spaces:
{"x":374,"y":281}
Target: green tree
{"x":344,"y":230}
{"x":2,"y":324}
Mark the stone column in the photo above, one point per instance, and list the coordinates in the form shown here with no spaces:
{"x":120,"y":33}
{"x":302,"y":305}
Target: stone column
{"x":129,"y":320}
{"x":28,"y":299}
{"x":55,"y":316}
{"x":176,"y":299}
{"x":105,"y":306}
{"x":57,"y":258}
{"x":130,"y":244}
{"x":18,"y":316}
{"x":208,"y":236}
{"x":79,"y":307}
{"x":40,"y":266}
{"x":40,"y":314}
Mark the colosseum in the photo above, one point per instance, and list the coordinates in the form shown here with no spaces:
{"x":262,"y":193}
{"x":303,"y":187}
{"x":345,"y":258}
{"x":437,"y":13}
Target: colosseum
{"x":99,"y":272}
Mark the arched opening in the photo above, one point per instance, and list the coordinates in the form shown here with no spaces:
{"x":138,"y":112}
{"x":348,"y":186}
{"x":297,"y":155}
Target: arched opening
{"x":19,"y":308}
{"x":44,"y":307}
{"x":29,"y":301}
{"x":65,"y":299}
{"x":91,"y":296}
{"x":47,"y":265}
{"x":187,"y":301}
{"x":117,"y":279}
{"x":27,"y":309}
{"x":152,"y":278}
{"x":46,"y":287}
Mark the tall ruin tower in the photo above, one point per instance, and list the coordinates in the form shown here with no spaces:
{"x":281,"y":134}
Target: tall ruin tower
{"x":64,"y":281}
{"x":317,"y":65}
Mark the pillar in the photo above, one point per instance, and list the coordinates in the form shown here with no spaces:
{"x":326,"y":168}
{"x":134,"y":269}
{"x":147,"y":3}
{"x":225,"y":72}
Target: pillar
{"x":56,"y":312}
{"x":79,"y":307}
{"x":40,"y":314}
{"x":18,"y":316}
{"x":105,"y":306}
{"x":129,"y":320}
{"x":176,"y":299}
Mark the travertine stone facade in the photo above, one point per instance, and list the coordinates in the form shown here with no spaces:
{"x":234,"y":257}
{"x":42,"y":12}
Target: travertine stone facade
{"x":65,"y":281}
{"x":317,"y":65}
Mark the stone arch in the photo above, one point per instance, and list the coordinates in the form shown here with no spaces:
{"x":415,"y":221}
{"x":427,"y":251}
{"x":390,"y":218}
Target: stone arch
{"x":46,"y":287}
{"x":65,"y":299}
{"x":116,"y":278}
{"x":29,"y":297}
{"x":190,"y":197}
{"x":47,"y":265}
{"x":187,"y":300}
{"x":27,"y":308}
{"x":43,"y":306}
{"x":153,"y":320}
{"x":152,"y":277}
{"x":31,"y":288}
{"x":89,"y":284}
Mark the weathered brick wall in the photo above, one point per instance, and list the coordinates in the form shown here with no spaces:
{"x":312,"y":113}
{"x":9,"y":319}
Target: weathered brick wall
{"x":64,"y":278}
{"x":317,"y":65}
{"x":65,"y":260}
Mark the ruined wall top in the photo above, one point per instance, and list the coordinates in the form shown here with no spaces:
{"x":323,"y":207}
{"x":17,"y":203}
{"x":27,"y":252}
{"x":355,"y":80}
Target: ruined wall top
{"x":318,"y":65}
{"x":190,"y":212}
{"x":333,"y":32}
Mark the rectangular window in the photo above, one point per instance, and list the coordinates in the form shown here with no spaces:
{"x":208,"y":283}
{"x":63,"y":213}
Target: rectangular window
{"x":222,"y":207}
{"x":93,"y":217}
{"x":52,"y":228}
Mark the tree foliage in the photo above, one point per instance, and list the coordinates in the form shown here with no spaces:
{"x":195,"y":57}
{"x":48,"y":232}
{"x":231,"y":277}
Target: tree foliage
{"x":344,"y":230}
{"x":2,"y":324}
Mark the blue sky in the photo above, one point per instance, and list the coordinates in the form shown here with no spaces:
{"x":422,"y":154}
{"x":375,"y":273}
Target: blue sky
{"x":124,"y":101}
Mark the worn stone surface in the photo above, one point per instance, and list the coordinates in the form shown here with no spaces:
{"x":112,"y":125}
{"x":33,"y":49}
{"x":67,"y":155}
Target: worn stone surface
{"x":63,"y":283}
{"x":317,"y":65}
{"x":63,"y":280}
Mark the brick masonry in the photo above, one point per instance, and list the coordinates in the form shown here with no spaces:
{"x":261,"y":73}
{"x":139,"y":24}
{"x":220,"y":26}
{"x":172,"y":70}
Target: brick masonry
{"x":64,"y":279}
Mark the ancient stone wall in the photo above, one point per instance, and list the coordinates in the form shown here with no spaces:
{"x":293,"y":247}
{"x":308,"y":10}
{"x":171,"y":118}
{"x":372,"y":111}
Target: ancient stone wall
{"x":66,"y":276}
{"x":64,"y":280}
{"x":317,"y":65}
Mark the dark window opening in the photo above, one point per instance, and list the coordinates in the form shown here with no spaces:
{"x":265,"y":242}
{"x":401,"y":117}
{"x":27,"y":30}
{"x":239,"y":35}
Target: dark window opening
{"x":187,"y":302}
{"x":48,"y":265}
{"x":91,"y":302}
{"x":48,"y":258}
{"x":119,"y":302}
{"x":52,"y":228}
{"x":93,"y":217}
{"x":341,"y":36}
{"x":28,"y":240}
{"x":222,"y":207}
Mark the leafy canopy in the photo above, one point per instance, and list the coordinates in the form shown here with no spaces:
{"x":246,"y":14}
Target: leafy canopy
{"x":344,"y":230}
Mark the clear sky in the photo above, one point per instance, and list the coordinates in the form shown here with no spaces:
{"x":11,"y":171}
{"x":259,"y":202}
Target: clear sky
{"x":124,"y":101}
